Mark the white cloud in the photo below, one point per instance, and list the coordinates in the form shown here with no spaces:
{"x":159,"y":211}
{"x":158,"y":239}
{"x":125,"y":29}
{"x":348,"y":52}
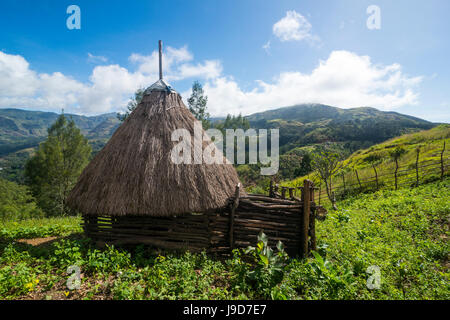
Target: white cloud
{"x":293,"y":27}
{"x":109,"y":86}
{"x":96,"y":59}
{"x":345,"y":80}
{"x":266,"y":47}
{"x":16,"y":79}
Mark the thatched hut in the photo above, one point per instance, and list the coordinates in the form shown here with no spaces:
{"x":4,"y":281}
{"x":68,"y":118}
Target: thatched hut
{"x":133,"y":191}
{"x":135,"y":175}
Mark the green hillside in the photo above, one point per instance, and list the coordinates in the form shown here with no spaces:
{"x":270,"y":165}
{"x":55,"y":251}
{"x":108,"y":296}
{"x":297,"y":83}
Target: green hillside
{"x":353,"y":129}
{"x":403,"y":233}
{"x":21,"y":131}
{"x":430,"y":143}
{"x":301,"y":128}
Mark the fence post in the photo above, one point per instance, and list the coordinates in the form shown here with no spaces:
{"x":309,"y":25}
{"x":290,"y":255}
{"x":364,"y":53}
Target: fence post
{"x":291,"y":193}
{"x":376,"y":175}
{"x":395,"y":173}
{"x":283,"y":192}
{"x":359,"y":182}
{"x":233,"y":209}
{"x":417,"y":166}
{"x":442,"y":162}
{"x":343,"y":180}
{"x":320,"y":191}
{"x":305,"y":218}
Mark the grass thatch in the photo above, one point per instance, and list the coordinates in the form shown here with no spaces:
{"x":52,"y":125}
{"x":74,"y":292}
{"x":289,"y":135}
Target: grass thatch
{"x":133,"y":174}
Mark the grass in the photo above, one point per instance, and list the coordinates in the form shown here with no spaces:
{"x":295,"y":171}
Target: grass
{"x":404,"y":233}
{"x":40,"y":227}
{"x":430,"y":143}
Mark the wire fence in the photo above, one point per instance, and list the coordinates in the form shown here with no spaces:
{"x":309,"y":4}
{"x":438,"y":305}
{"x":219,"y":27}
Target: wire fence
{"x":411,"y":175}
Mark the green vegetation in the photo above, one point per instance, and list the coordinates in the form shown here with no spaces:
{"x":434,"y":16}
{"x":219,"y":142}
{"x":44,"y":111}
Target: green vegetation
{"x":301,"y":128}
{"x":21,"y":131}
{"x":404,"y":233}
{"x":351,"y":129}
{"x":16,"y":202}
{"x":197,"y":105}
{"x":383,"y":160}
{"x":39,"y":227}
{"x":54,"y":169}
{"x":132,"y":104}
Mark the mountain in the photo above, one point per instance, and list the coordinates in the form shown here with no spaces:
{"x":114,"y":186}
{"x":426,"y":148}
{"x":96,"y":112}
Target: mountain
{"x":301,"y":128}
{"x":355,"y":128}
{"x":21,"y":129}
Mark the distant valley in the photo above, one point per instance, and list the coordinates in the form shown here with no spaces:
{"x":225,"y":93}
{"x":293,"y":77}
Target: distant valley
{"x":300,"y":126}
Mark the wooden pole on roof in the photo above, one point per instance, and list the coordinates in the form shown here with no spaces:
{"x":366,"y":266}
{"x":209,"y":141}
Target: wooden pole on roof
{"x":160,"y":60}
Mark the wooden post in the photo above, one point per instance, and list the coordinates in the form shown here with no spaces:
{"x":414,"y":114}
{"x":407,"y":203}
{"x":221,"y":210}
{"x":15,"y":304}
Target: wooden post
{"x":395,"y":173}
{"x":160,"y":60}
{"x":376,"y":175}
{"x":417,"y":166}
{"x":233,"y":209}
{"x":291,"y":193}
{"x":442,"y":162}
{"x":305,"y":218}
{"x":283,"y":192}
{"x":320,"y":191}
{"x":357,"y":177}
{"x":343,"y":180}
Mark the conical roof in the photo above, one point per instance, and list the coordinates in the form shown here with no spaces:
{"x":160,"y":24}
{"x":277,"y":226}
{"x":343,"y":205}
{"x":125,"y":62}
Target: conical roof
{"x":135,"y":175}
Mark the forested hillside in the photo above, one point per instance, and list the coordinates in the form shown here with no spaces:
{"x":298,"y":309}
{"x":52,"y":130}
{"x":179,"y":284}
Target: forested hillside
{"x":301,"y":128}
{"x":354,"y":129}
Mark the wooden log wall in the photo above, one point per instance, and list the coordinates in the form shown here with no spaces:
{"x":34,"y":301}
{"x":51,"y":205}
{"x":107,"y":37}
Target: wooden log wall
{"x":235,"y":226}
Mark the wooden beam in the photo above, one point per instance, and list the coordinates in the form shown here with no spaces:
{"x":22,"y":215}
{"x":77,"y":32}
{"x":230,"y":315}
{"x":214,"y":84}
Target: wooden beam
{"x":233,"y":209}
{"x":304,"y":237}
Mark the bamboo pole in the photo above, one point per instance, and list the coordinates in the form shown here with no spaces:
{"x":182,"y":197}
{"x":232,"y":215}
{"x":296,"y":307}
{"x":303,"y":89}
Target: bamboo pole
{"x":417,"y":166}
{"x":442,"y":162}
{"x":160,"y":60}
{"x":233,"y":209}
{"x":304,"y":237}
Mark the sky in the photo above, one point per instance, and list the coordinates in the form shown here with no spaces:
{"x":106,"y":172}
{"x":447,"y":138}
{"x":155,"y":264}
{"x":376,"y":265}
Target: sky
{"x":249,"y":55}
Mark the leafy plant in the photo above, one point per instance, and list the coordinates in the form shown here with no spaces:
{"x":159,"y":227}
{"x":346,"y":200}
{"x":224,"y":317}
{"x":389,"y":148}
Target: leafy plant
{"x":268,"y":266}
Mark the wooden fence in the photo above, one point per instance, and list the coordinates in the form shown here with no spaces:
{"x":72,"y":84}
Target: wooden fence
{"x":290,"y":220}
{"x":350,"y":183}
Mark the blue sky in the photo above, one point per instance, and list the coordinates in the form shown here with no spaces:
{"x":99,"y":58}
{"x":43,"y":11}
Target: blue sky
{"x":250,"y":55}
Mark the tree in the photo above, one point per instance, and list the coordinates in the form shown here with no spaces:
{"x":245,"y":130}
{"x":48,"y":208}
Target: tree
{"x":374,"y":159}
{"x":327,"y":163}
{"x":197,"y":105}
{"x":305,"y":166}
{"x":16,"y":202}
{"x":132,"y":104}
{"x":395,"y":155}
{"x":233,"y":122}
{"x":54,"y":169}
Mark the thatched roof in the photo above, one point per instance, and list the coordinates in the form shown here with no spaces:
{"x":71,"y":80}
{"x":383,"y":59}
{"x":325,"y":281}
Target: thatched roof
{"x":134,"y":174}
